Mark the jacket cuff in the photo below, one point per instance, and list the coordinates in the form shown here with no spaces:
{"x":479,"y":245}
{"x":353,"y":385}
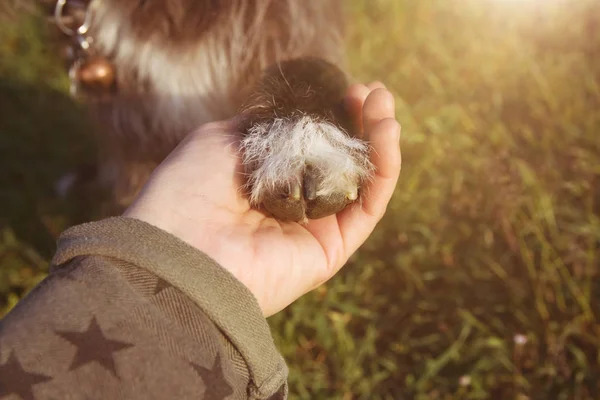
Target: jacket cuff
{"x":223,"y":298}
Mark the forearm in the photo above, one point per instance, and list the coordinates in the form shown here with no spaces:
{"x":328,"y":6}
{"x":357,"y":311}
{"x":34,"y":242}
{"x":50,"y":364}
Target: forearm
{"x":130,"y":311}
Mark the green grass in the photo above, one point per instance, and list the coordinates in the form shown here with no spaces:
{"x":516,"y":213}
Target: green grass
{"x":493,"y":234}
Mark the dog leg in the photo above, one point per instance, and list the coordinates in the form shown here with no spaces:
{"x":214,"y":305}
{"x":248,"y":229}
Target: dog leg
{"x":301,"y":156}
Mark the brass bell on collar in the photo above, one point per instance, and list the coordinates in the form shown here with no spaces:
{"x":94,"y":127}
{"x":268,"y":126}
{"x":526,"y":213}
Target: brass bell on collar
{"x":95,"y":74}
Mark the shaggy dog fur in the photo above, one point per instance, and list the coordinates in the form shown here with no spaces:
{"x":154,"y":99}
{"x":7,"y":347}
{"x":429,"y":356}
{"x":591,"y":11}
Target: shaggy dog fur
{"x":278,"y":63}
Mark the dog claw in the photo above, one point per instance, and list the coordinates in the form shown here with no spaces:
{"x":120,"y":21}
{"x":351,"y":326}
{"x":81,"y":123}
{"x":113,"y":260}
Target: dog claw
{"x":295,"y":192}
{"x":310,"y":185}
{"x":353,"y":195}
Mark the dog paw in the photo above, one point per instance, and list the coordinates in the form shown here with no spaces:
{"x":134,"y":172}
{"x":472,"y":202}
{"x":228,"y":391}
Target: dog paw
{"x":302,"y":167}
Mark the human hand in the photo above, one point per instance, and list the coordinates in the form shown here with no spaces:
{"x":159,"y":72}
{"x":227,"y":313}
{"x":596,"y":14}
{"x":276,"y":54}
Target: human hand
{"x":195,"y":195}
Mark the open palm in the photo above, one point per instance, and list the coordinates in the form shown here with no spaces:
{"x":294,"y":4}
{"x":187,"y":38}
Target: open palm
{"x":195,"y":195}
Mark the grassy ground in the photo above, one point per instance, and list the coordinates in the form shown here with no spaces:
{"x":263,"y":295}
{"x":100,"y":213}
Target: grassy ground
{"x":482,"y":280}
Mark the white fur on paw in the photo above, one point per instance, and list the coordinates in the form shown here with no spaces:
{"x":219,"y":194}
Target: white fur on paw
{"x":277,"y":152}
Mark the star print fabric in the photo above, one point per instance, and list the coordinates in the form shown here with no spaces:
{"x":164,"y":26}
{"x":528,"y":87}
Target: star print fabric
{"x":108,"y":324}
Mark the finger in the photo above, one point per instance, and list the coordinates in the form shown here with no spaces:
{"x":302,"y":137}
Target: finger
{"x":379,"y":105}
{"x":387,"y":159}
{"x":227,"y":127}
{"x":354,"y":101}
{"x":358,"y":221}
{"x":375,"y":85}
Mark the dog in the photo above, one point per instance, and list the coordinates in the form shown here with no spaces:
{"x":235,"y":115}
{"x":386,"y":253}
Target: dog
{"x":277,"y":64}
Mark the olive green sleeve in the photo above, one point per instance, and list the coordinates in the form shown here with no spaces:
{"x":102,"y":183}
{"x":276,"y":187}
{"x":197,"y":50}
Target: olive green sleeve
{"x":129,"y":311}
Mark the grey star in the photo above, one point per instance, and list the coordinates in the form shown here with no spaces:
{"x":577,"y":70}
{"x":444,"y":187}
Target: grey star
{"x":216,"y":387}
{"x":280,"y":395}
{"x":15,"y":380}
{"x":161,"y":285}
{"x":92,"y":346}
